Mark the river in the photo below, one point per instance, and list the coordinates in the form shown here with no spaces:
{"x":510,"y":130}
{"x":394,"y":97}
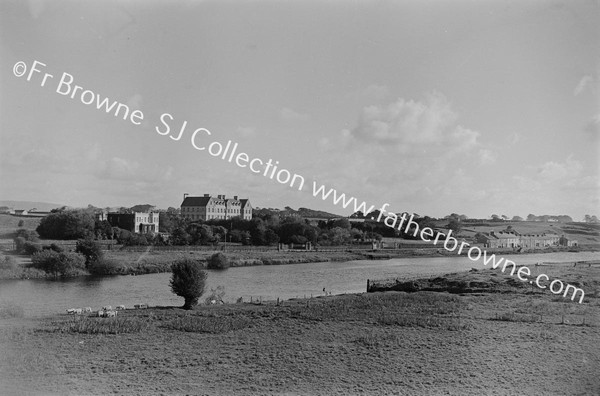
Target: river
{"x":40,"y":297}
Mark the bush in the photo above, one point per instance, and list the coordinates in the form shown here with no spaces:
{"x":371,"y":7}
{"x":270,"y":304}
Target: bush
{"x":54,"y":247}
{"x":106,"y":267}
{"x":28,"y":235}
{"x":90,"y":250}
{"x":21,"y":223}
{"x":67,"y":224}
{"x":31,"y":248}
{"x":188,"y":281}
{"x":59,"y":264}
{"x":218,"y":261}
{"x":216,"y":295}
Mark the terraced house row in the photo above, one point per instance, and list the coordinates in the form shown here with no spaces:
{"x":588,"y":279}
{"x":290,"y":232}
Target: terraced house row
{"x":505,"y":239}
{"x":208,"y":207}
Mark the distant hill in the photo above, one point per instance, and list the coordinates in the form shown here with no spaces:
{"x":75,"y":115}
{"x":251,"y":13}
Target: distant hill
{"x":28,"y":205}
{"x":301,"y":212}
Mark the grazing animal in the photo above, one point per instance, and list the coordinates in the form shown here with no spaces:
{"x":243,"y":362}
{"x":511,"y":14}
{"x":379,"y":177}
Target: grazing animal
{"x":100,"y":313}
{"x":140,"y":306}
{"x":87,"y":309}
{"x":111,"y":314}
{"x":71,"y":311}
{"x":120,"y":307}
{"x":107,"y":308}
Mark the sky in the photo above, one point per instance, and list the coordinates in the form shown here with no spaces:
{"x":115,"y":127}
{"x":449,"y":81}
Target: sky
{"x":436,"y":107}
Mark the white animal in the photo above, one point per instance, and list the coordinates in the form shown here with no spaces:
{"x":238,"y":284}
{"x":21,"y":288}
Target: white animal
{"x":111,"y":314}
{"x":87,"y":309}
{"x":107,"y":308}
{"x":120,"y":307}
{"x":100,"y":313}
{"x":71,"y":311}
{"x":140,"y":306}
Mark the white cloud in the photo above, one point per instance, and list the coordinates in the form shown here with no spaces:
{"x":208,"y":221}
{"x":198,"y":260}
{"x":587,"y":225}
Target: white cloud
{"x":514,"y":138}
{"x":246,"y":131}
{"x":290,"y":115}
{"x":593,"y":126}
{"x":553,"y":171}
{"x":375,"y":92}
{"x":583,"y":84}
{"x":486,"y":157}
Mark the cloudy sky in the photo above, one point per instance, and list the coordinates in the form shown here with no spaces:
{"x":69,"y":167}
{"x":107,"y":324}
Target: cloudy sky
{"x":474,"y":107}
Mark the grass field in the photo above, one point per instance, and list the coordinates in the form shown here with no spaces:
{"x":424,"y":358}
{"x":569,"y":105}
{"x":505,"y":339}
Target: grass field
{"x":423,"y":343}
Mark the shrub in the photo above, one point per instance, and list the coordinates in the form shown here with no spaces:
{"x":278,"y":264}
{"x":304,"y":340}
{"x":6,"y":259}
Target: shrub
{"x":31,"y":248}
{"x":216,"y":295}
{"x":21,"y":223}
{"x":188,"y":281}
{"x":105,"y":266}
{"x":59,"y":264}
{"x":8,"y":263}
{"x":218,"y":261}
{"x":90,"y":249}
{"x":28,"y":235}
{"x":53,"y":247}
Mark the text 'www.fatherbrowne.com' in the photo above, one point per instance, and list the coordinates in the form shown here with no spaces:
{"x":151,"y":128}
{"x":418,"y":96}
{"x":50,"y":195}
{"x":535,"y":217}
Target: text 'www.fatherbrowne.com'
{"x":407,"y":224}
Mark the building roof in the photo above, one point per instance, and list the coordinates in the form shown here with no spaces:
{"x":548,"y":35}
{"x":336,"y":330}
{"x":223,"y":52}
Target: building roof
{"x":244,"y":202}
{"x":195,"y":201}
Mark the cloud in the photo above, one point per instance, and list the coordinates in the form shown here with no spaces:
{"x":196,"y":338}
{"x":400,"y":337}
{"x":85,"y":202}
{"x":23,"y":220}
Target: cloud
{"x":290,"y":115}
{"x":376,"y":93}
{"x":486,"y":157}
{"x":135,"y":102}
{"x":120,"y":169}
{"x":412,"y":126}
{"x":583,"y":84}
{"x":514,"y":138}
{"x":554,"y":171}
{"x":246,"y":131}
{"x":593,"y":126}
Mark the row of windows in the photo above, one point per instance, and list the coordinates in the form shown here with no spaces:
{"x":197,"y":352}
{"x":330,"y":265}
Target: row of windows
{"x":214,"y":210}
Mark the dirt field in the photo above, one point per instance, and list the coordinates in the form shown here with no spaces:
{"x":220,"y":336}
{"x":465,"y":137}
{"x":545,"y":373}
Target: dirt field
{"x":423,"y":343}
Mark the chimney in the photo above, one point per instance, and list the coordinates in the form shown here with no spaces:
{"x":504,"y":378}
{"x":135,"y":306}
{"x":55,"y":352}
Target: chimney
{"x":235,"y":197}
{"x":185,"y":195}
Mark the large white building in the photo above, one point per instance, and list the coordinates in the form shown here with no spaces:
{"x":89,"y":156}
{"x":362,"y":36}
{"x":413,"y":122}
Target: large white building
{"x":208,"y":207}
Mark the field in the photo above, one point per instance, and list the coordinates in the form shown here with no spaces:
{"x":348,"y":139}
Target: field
{"x":424,"y":343}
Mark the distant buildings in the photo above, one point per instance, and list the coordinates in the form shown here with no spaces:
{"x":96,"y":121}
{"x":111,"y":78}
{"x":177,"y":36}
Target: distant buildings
{"x":514,"y":240}
{"x":208,"y":207}
{"x":140,"y":222}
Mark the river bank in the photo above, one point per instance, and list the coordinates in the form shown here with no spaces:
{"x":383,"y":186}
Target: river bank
{"x":420,"y":343}
{"x":149,"y":261}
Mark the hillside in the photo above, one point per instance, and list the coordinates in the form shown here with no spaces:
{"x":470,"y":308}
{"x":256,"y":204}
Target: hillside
{"x":584,"y":233}
{"x":28,"y":205}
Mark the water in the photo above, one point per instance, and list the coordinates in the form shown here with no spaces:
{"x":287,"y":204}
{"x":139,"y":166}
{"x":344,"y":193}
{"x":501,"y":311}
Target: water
{"x":44,"y":297}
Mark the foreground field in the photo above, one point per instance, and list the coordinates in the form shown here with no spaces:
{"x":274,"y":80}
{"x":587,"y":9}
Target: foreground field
{"x":423,"y":343}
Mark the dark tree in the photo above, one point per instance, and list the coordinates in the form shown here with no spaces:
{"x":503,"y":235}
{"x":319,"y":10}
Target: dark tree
{"x":188,"y":281}
{"x":67,"y":224}
{"x":90,"y":249}
{"x":218,"y":261}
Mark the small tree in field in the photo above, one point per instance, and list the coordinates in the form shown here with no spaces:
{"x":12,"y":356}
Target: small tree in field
{"x":218,"y":261}
{"x":188,"y":281}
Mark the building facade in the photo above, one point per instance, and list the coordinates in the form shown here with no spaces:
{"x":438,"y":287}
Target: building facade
{"x":208,"y":207}
{"x":138,"y":222}
{"x":514,"y":240}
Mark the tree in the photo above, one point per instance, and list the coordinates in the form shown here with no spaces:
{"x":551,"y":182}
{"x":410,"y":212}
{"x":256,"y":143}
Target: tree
{"x":90,"y":249}
{"x":454,"y":225}
{"x":531,"y":217}
{"x":188,"y":281}
{"x":517,"y":218}
{"x":218,"y":261}
{"x":67,"y":224}
{"x":495,"y":217}
{"x":58,"y":264}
